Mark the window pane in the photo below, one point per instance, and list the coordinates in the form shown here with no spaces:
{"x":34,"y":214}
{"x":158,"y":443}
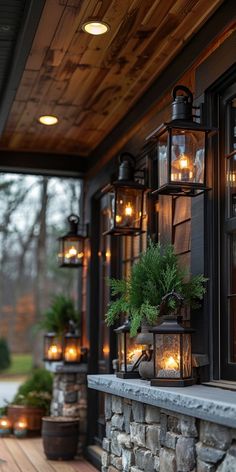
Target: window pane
{"x":231,"y":185}
{"x":232,"y":330}
{"x":232,"y":260}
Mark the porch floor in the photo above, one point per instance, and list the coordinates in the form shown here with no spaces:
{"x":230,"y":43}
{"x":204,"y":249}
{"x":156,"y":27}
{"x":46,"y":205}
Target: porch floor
{"x":26,"y":455}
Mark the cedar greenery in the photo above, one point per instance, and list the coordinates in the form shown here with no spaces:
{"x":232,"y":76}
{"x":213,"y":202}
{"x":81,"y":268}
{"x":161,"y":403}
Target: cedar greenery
{"x":156,"y":273}
{"x":56,"y":318}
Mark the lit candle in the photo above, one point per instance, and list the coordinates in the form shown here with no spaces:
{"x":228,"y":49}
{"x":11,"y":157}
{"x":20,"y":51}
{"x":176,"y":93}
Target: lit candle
{"x":5,"y":426}
{"x":169,"y":367}
{"x":171,"y":364}
{"x":54,"y":352}
{"x":118,"y":219}
{"x":128,"y":209}
{"x":71,"y":354}
{"x":186,"y":174}
{"x":20,"y":428}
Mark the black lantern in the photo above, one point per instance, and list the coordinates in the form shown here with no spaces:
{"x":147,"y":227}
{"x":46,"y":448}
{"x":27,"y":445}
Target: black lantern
{"x":125,"y":199}
{"x":72,"y":347}
{"x":130,"y":353}
{"x":181,"y":149}
{"x":71,"y":246}
{"x":172,"y":349}
{"x":52,"y":347}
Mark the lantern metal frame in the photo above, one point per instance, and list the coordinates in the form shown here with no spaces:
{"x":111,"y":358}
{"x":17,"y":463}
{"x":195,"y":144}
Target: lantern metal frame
{"x":182,"y":120}
{"x":171,"y":326}
{"x":124,"y":330}
{"x":72,"y":335}
{"x":49,"y":340}
{"x":128,"y":178}
{"x":77,"y":233}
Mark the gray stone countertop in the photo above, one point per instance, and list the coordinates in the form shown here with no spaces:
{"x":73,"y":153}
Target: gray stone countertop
{"x":208,"y":403}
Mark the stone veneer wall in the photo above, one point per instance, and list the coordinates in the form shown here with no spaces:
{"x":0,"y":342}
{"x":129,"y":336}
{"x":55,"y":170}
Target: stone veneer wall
{"x":140,"y":438}
{"x":70,"y":399}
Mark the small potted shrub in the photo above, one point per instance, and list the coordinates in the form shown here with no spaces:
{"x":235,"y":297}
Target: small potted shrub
{"x":32,"y":400}
{"x":156,"y":274}
{"x":59,"y":315}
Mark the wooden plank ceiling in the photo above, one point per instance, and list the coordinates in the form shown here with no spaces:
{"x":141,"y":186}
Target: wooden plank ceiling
{"x":90,"y":82}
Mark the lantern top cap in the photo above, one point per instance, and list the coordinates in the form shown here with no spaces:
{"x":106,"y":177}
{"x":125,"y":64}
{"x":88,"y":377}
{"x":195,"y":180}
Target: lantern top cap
{"x":170,"y":325}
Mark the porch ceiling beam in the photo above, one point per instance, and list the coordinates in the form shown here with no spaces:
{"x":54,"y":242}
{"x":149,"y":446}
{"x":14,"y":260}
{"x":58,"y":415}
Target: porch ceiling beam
{"x":113,"y":143}
{"x":24,"y":40}
{"x":43,"y":163}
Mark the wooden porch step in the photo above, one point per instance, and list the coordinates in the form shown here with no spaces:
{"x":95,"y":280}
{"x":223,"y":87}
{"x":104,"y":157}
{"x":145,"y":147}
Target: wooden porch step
{"x":26,"y":455}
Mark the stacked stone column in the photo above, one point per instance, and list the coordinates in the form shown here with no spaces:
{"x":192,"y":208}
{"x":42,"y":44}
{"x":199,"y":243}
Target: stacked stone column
{"x":141,"y":438}
{"x":70,"y":398}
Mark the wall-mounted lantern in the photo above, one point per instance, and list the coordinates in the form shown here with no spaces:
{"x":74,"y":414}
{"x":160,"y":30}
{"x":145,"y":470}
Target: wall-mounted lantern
{"x":72,"y":346}
{"x":125,"y":199}
{"x":52,"y":347}
{"x":71,"y":246}
{"x":181,"y":149}
{"x":130,"y":353}
{"x":172,"y":353}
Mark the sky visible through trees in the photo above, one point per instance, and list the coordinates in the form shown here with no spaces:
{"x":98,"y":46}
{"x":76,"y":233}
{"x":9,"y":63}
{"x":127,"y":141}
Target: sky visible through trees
{"x":33,"y":214}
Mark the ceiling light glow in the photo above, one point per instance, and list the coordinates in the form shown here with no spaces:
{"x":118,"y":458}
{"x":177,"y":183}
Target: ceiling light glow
{"x":48,"y":120}
{"x":95,"y":27}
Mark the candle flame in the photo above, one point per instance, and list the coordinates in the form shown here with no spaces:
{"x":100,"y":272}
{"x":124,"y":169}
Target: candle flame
{"x":128,"y":209}
{"x":183,"y":162}
{"x":171,"y":364}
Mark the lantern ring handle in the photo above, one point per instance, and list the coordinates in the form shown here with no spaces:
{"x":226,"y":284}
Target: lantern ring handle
{"x":176,"y":296}
{"x":183,"y":89}
{"x":73,"y":218}
{"x":127,"y":156}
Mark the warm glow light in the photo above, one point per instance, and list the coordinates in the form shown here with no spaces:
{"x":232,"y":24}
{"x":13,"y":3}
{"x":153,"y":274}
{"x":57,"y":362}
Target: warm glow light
{"x":72,"y":251}
{"x":183,"y":162}
{"x":133,"y":355}
{"x":96,"y":27}
{"x":171,"y":364}
{"x":71,"y":353}
{"x":54,"y":352}
{"x":80,"y":255}
{"x":48,"y":120}
{"x":128,"y":210}
{"x":106,"y":350}
{"x":118,"y":219}
{"x":4,"y":423}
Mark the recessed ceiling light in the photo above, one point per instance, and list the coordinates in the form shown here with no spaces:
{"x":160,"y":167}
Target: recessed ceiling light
{"x":95,"y":27}
{"x":48,"y":120}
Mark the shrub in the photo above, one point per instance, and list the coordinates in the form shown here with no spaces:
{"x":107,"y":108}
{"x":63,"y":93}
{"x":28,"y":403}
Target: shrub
{"x":36,"y":390}
{"x":5,"y":358}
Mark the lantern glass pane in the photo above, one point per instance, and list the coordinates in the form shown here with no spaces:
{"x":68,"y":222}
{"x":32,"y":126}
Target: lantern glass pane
{"x":231,"y":185}
{"x":187,"y":356}
{"x":162,"y":159}
{"x":187,"y":156}
{"x":167,"y":356}
{"x":121,"y":351}
{"x":73,"y":250}
{"x":108,"y":212}
{"x":133,"y":353}
{"x":72,"y":349}
{"x":52,"y":348}
{"x":128,"y":207}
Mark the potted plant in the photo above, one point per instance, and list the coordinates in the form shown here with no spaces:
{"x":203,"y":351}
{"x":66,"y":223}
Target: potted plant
{"x":32,"y":400}
{"x":57,"y":318}
{"x":156,"y":274}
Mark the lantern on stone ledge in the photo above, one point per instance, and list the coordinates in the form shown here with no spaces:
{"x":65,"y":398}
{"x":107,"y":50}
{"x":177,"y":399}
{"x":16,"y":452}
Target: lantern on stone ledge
{"x":52,"y":348}
{"x":172,"y":353}
{"x":71,"y":246}
{"x":72,"y":347}
{"x":181,"y":149}
{"x":125,"y":199}
{"x":130,"y":353}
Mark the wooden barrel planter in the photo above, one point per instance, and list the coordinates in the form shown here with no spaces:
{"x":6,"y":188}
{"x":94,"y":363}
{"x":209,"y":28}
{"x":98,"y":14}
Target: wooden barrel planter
{"x":60,"y":437}
{"x":32,"y":414}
